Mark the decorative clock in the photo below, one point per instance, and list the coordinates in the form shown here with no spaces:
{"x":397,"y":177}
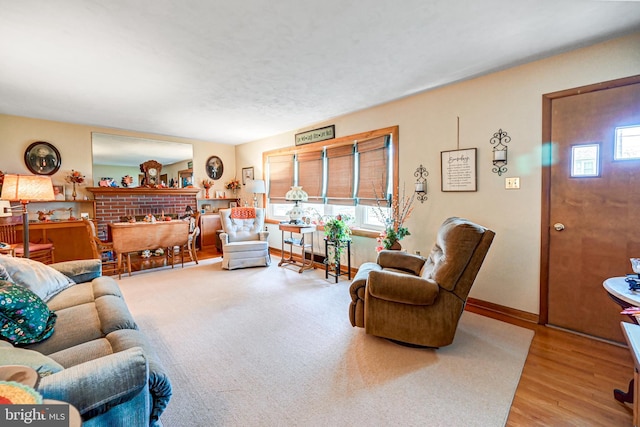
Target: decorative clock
{"x":151,"y":170}
{"x":42,"y":158}
{"x":215,"y":168}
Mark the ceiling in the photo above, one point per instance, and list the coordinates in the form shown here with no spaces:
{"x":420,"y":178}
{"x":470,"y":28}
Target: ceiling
{"x":237,"y":71}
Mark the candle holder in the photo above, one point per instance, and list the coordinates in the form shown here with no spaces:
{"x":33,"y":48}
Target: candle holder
{"x":421,"y":175}
{"x":498,"y":141}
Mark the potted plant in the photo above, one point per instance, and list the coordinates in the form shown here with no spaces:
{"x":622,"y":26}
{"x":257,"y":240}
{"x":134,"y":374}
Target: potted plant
{"x":336,"y":231}
{"x":393,"y":218}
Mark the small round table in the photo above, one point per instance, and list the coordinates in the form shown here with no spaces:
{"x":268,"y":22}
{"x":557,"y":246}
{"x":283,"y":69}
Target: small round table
{"x":618,"y":290}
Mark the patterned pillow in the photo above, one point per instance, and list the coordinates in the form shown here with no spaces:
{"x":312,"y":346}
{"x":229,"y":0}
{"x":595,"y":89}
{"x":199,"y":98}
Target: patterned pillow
{"x":24,"y":317}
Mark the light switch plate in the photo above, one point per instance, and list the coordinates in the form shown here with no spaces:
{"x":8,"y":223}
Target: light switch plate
{"x":512,"y":183}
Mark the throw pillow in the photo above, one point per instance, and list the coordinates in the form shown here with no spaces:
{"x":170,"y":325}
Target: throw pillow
{"x":44,"y":365}
{"x":24,"y":317}
{"x":41,"y":279}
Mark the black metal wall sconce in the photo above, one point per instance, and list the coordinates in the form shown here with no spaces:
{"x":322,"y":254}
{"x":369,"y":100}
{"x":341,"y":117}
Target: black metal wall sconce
{"x":421,"y":175}
{"x":498,"y":141}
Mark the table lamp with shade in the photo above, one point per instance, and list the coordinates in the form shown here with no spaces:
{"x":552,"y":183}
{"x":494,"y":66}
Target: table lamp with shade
{"x":296,"y":194}
{"x":257,"y":187}
{"x":26,"y":188}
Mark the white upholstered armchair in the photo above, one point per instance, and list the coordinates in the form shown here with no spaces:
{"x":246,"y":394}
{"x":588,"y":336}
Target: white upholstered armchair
{"x":244,"y":240}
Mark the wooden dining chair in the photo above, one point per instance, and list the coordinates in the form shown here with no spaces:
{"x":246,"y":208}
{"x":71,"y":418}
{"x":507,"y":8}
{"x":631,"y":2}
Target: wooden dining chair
{"x":190,"y":246}
{"x":101,"y":250}
{"x":42,"y":252}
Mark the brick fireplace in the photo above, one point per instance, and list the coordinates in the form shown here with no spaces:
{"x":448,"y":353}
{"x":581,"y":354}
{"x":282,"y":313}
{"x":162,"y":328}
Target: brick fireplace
{"x":113,"y":203}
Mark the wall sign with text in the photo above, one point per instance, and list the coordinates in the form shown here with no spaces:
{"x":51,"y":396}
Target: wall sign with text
{"x":328,"y":132}
{"x":459,"y":170}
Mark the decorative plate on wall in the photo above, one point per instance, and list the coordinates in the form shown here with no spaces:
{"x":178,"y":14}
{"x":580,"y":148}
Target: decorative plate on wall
{"x":215,"y":168}
{"x":42,"y":158}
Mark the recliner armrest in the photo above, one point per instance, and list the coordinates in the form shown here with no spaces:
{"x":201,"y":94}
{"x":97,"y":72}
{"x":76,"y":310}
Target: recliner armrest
{"x":402,"y":288}
{"x":401,"y":261}
{"x":80,"y":271}
{"x":264,"y":235}
{"x":98,"y":385}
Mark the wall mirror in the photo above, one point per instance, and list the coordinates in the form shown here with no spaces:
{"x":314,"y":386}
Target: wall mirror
{"x":116,"y":156}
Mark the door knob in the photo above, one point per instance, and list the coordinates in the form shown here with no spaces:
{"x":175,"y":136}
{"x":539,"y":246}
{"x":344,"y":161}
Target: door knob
{"x":558,"y":226}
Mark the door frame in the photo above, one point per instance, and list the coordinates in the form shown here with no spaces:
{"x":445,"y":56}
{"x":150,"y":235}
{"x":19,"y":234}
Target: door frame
{"x":545,"y":218}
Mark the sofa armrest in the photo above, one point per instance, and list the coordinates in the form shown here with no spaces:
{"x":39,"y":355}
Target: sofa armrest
{"x":399,"y":260}
{"x":80,"y":271}
{"x":264,"y":235}
{"x":224,"y":238}
{"x":402,"y":288}
{"x":98,"y":385}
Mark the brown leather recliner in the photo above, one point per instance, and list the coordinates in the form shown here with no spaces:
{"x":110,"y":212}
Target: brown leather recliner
{"x":415,"y":300}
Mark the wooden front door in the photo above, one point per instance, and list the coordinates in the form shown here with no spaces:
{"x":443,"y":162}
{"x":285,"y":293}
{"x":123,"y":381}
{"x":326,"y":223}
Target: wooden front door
{"x":593,"y":224}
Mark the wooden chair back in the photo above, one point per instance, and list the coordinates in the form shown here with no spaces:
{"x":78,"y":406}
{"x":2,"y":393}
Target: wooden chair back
{"x":8,"y":233}
{"x":42,"y":252}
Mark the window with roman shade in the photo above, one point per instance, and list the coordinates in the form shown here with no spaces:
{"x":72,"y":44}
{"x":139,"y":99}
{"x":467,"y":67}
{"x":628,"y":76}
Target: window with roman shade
{"x":280,"y":176}
{"x":373,"y":170}
{"x":340,"y":168}
{"x":310,"y":173}
{"x":339,"y":176}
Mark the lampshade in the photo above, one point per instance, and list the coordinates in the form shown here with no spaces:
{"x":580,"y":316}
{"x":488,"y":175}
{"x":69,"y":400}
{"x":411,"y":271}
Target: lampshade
{"x":257,"y":186}
{"x":296,"y":194}
{"x":27,"y":188}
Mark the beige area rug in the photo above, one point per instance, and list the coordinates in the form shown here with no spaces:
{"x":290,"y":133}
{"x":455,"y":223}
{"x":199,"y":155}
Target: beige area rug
{"x":272,"y":347}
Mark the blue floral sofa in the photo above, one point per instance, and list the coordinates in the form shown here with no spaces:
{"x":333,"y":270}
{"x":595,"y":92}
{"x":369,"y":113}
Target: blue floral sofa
{"x":73,"y":326}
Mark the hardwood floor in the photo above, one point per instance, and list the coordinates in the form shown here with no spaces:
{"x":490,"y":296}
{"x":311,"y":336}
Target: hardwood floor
{"x":567,"y":380}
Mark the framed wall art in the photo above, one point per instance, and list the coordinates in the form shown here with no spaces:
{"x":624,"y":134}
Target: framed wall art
{"x":42,"y":158}
{"x":459,"y":170}
{"x":215,"y":168}
{"x":58,"y":192}
{"x":247,"y":174}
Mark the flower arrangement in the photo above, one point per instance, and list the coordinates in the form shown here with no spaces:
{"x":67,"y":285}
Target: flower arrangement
{"x":394,"y":219}
{"x":207,"y":185}
{"x":75,"y":177}
{"x":234,"y":184}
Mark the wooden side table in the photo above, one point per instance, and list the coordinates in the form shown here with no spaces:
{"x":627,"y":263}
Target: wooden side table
{"x":293,"y":242}
{"x":8,"y":250}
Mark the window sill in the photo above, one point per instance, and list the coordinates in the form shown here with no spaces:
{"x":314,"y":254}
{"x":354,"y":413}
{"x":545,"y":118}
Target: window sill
{"x":355,"y":231}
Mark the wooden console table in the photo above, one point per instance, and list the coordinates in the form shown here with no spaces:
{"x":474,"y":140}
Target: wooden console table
{"x":139,"y":236}
{"x":69,"y":238}
{"x":302,"y":243}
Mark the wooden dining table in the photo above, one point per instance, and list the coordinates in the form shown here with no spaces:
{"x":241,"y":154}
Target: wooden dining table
{"x":130,"y":237}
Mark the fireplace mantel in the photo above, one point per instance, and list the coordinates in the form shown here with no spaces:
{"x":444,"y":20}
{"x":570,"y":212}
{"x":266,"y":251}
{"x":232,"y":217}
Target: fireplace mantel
{"x":137,"y":191}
